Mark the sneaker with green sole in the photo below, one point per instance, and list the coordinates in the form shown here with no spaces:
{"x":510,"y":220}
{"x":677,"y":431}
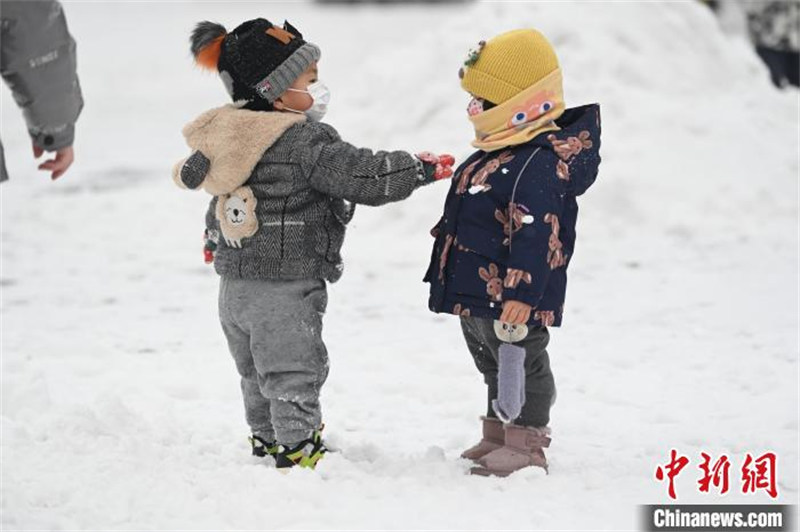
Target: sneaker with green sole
{"x":261,"y":447}
{"x":305,"y":454}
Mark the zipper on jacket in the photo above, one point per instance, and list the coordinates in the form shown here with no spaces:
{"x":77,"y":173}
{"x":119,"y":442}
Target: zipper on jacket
{"x":514,"y":193}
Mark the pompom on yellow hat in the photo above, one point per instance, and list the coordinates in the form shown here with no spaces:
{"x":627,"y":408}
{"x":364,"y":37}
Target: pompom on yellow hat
{"x":508,"y":64}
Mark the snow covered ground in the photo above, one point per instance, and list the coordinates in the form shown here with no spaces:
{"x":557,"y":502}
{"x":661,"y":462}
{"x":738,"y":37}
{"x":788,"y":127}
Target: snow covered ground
{"x":120,"y":402}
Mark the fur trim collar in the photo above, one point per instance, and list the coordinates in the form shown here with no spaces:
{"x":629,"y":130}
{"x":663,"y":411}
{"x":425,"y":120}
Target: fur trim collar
{"x":234,"y":139}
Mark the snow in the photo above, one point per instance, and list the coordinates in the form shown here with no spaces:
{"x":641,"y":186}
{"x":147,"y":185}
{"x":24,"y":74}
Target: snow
{"x":120,"y":403}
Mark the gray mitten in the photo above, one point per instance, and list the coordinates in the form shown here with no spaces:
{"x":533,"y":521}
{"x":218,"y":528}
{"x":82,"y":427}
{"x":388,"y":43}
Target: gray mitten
{"x":510,"y":383}
{"x":194,"y":170}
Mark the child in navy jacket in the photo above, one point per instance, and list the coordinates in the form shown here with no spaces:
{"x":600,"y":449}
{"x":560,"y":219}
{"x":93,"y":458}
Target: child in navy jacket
{"x":508,"y":234}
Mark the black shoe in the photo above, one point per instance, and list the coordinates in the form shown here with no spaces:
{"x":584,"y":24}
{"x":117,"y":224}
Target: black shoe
{"x":262,"y":448}
{"x":305,"y":454}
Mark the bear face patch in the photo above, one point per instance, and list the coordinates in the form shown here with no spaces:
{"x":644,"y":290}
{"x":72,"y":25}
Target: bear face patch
{"x":236,"y":213}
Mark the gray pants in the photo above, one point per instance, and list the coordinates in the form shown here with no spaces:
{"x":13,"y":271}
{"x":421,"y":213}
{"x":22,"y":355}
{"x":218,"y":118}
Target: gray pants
{"x":274,"y":331}
{"x":540,"y":389}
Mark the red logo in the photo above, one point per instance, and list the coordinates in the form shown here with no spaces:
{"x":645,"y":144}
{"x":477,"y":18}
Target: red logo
{"x":757,"y":473}
{"x":674,"y":467}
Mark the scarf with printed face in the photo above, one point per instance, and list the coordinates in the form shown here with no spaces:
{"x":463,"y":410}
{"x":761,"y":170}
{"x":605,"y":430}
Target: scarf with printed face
{"x":522,"y":117}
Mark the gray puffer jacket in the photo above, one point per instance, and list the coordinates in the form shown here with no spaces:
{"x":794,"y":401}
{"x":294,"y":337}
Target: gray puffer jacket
{"x":284,"y":189}
{"x":37,"y":62}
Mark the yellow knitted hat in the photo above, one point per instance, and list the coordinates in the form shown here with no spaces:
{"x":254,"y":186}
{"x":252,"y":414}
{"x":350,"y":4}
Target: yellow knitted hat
{"x":508,"y":64}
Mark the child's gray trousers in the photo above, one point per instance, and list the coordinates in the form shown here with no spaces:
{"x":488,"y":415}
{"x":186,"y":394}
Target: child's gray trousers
{"x":274,"y":331}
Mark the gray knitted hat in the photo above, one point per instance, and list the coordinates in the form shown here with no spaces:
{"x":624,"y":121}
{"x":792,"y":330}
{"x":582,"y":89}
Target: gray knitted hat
{"x":257,"y":61}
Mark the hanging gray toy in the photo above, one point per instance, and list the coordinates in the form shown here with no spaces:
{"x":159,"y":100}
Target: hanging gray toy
{"x":511,"y":371}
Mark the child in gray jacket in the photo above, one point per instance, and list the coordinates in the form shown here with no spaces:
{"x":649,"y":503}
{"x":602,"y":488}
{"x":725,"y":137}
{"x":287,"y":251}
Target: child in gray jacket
{"x":284,"y":187}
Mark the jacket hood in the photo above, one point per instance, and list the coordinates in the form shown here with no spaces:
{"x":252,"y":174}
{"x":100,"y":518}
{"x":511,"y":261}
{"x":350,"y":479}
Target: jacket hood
{"x":232,"y":140}
{"x":577,"y":145}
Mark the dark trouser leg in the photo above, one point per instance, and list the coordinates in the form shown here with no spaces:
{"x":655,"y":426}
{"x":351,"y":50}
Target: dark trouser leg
{"x":783,"y":65}
{"x":793,"y":68}
{"x":484,"y":359}
{"x":539,"y":383}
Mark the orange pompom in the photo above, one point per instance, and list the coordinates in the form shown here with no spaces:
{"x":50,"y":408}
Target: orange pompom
{"x":208,"y":56}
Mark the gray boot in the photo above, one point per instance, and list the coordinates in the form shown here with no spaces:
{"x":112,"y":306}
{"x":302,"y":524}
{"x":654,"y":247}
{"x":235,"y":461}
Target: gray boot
{"x":524,"y":447}
{"x":493,"y":438}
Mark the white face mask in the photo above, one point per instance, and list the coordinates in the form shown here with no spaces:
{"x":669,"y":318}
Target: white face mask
{"x":320,"y":96}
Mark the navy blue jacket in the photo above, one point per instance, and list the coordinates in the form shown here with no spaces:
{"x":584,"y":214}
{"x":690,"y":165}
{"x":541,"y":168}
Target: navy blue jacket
{"x":508,"y":229}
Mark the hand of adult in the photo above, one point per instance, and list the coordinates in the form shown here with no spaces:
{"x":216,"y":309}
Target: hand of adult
{"x":62,"y":161}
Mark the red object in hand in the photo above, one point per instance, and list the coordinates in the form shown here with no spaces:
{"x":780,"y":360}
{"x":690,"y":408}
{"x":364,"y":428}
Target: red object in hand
{"x":442,"y":172}
{"x":208,"y":256}
{"x":442,"y":164}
